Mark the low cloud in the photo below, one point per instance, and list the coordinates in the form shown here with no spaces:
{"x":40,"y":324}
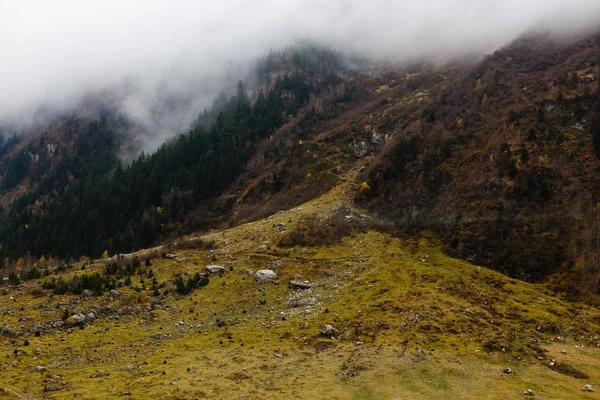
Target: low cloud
{"x":57,"y":53}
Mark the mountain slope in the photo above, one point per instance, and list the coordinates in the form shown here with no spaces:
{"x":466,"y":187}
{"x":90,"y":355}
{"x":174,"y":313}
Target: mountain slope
{"x":412,"y":323}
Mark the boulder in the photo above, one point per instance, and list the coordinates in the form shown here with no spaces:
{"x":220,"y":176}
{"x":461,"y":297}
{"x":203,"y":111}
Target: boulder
{"x":114,"y":293}
{"x":330,"y":331}
{"x":507,"y":370}
{"x":528,"y":392}
{"x":53,"y":387}
{"x":181,"y":260}
{"x":588,"y":388}
{"x":279,"y":227}
{"x":58,"y":324}
{"x":76,"y":319}
{"x":99,"y":374}
{"x":39,"y":368}
{"x":171,"y":256}
{"x":359,"y":148}
{"x":265,"y":275}
{"x":8,"y":332}
{"x":86,"y":294}
{"x":215,"y":269}
{"x":299,"y":285}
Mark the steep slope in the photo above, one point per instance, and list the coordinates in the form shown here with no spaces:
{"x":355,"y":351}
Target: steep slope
{"x":499,"y":158}
{"x":408,"y":321}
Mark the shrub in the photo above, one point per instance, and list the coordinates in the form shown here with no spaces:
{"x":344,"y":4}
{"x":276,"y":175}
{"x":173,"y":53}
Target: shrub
{"x":570,"y":370}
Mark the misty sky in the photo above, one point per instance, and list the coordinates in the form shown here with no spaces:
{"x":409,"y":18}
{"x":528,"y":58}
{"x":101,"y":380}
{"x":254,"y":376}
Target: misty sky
{"x":53,"y":52}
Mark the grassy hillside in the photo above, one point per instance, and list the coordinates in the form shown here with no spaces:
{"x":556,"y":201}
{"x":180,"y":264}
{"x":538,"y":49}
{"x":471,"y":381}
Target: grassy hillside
{"x":412,"y":322}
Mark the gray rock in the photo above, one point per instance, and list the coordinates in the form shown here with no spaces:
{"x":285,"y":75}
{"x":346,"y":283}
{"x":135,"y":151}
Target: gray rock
{"x":528,"y":392}
{"x":87,"y":294}
{"x":171,"y":256}
{"x":299,"y":285}
{"x":279,"y":227}
{"x":114,"y":293}
{"x":215,"y":269}
{"x":8,"y":332}
{"x":91,"y":316}
{"x":588,"y":388}
{"x":53,"y":387}
{"x":58,"y":324}
{"x":265,"y":275}
{"x":182,"y":259}
{"x":330,"y":331}
{"x":507,"y":370}
{"x":40,"y":368}
{"x":100,"y":374}
{"x":359,"y":148}
{"x":76,"y":319}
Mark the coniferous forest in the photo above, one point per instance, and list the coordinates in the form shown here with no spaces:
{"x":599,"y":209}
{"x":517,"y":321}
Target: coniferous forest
{"x":93,"y":202}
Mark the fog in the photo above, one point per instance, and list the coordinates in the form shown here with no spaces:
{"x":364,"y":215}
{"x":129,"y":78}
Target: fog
{"x":56,"y":54}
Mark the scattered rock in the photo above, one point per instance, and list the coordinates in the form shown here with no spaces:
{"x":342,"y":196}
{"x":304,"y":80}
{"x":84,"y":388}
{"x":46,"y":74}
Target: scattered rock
{"x":100,"y":374}
{"x":39,"y":368}
{"x":588,"y":388}
{"x":53,"y":387}
{"x":359,"y":148}
{"x":265,"y":275}
{"x":58,"y":324}
{"x":114,"y":293}
{"x":86,"y":294}
{"x":91,"y":316}
{"x":299,"y":285}
{"x":563,"y":352}
{"x":182,"y":259}
{"x":171,"y":256}
{"x":215,"y":269}
{"x":507,"y":370}
{"x":279,"y":227}
{"x":8,"y":332}
{"x":76,"y":319}
{"x":528,"y":392}
{"x":330,"y":331}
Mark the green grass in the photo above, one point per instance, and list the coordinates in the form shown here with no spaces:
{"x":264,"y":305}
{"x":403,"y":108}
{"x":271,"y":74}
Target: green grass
{"x":430,"y":327}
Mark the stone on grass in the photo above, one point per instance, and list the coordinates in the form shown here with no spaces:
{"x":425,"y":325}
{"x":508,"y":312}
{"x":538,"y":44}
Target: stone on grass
{"x":40,"y":368}
{"x":76,"y":319}
{"x":528,"y":392}
{"x":265,"y":275}
{"x":299,"y":285}
{"x":215,"y":269}
{"x":588,"y":388}
{"x":8,"y":332}
{"x":114,"y":293}
{"x":330,"y":331}
{"x":507,"y":370}
{"x":100,"y":374}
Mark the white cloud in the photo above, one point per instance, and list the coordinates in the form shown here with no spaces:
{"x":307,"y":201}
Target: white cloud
{"x":52,"y":53}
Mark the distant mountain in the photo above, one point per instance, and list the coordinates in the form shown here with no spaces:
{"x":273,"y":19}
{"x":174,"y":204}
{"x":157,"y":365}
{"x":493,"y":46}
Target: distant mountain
{"x":497,"y":157}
